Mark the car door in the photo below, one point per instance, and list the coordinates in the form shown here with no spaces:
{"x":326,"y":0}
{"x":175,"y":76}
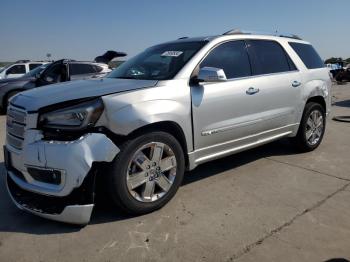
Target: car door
{"x":279,"y":83}
{"x":54,"y":73}
{"x":79,"y":71}
{"x":15,"y":71}
{"x":225,"y":115}
{"x":34,"y":65}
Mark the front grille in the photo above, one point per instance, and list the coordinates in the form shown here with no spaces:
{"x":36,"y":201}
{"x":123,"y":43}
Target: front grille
{"x":15,"y":124}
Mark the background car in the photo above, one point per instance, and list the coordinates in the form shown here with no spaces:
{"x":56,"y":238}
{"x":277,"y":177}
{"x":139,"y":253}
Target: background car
{"x":19,"y":68}
{"x":343,"y":75}
{"x":56,"y":72}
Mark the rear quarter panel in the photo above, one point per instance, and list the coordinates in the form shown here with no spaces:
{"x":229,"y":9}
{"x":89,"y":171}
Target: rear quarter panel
{"x":317,"y":82}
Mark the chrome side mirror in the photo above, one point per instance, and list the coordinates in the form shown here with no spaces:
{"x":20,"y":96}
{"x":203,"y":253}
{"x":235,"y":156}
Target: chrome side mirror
{"x":211,"y":74}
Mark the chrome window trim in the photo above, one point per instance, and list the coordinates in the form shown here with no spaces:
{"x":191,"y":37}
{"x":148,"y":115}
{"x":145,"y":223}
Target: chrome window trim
{"x":251,"y":76}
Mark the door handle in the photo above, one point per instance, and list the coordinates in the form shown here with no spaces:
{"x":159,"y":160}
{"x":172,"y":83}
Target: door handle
{"x":296,"y":83}
{"x":252,"y":91}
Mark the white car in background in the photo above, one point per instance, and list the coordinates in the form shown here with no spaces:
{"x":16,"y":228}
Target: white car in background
{"x":19,"y":68}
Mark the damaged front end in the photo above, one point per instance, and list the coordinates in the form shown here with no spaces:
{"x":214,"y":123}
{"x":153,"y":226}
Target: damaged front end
{"x":76,"y":208}
{"x":49,"y":178}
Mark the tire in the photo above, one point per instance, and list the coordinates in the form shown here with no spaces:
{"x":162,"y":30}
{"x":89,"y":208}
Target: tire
{"x":121,"y":176}
{"x":304,"y":141}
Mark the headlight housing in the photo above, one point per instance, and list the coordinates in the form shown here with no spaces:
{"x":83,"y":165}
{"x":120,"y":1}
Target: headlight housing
{"x":73,"y":118}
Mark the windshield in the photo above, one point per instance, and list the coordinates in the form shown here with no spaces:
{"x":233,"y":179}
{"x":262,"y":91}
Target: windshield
{"x":36,"y":71}
{"x":5,"y":67}
{"x":159,"y":62}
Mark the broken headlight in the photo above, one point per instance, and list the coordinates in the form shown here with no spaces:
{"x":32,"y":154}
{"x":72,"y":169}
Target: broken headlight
{"x":77,"y":117}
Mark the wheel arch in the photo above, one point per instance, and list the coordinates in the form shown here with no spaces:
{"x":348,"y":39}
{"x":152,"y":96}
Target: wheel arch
{"x":5,"y":97}
{"x":319,"y":100}
{"x":170,"y":127}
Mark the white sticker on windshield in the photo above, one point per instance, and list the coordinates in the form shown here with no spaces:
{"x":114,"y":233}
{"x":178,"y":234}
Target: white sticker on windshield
{"x":172,"y":53}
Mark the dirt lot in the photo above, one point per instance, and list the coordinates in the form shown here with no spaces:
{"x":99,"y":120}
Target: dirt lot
{"x":267,"y":204}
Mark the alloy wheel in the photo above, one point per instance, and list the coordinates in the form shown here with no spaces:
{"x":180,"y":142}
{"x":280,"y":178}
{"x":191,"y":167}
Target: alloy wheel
{"x":314,"y":127}
{"x":151,"y":172}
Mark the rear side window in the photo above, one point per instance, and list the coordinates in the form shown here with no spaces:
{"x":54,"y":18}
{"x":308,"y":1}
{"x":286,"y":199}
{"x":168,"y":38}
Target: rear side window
{"x":81,"y":69}
{"x":32,"y":66}
{"x":268,"y":57}
{"x":232,"y":57}
{"x":16,"y":69}
{"x":308,"y":55}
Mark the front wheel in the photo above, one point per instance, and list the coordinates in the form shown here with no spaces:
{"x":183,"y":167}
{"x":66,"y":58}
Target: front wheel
{"x":312,"y":127}
{"x":7,"y":98}
{"x":146,"y":173}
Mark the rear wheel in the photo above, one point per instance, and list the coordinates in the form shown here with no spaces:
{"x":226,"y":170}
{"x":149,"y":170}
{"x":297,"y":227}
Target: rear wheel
{"x":147,"y":172}
{"x":312,"y":127}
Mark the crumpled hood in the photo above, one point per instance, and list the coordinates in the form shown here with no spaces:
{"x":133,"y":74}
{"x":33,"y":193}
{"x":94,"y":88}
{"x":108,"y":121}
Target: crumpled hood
{"x":37,"y":98}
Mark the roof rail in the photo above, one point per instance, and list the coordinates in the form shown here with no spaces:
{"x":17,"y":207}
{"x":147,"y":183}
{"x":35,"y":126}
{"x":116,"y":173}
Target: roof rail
{"x":246,"y":32}
{"x":184,"y":37}
{"x":22,"y":61}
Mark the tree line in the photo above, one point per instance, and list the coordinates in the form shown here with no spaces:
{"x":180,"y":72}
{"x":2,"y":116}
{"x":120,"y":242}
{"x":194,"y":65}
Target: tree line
{"x":334,"y":60}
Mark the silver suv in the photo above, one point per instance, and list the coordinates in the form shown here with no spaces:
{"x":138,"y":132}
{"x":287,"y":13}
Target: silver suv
{"x":172,"y":107}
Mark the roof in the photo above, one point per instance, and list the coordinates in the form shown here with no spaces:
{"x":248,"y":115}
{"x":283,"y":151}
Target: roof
{"x":235,"y":32}
{"x":276,"y":33}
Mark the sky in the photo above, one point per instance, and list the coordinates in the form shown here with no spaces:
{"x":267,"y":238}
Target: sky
{"x":82,"y":30}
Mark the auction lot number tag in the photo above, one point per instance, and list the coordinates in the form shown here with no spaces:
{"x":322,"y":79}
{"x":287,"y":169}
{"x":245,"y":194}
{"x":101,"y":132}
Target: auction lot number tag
{"x":172,"y":53}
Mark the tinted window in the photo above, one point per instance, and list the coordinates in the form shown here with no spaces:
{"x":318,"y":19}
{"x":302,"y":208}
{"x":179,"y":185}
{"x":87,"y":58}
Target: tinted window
{"x":232,"y":57}
{"x":55,"y":73}
{"x":159,"y":62}
{"x":32,"y":66}
{"x":16,"y":69}
{"x":37,"y":71}
{"x":80,"y":69}
{"x":267,"y":57}
{"x":292,"y":66}
{"x":308,"y":54}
